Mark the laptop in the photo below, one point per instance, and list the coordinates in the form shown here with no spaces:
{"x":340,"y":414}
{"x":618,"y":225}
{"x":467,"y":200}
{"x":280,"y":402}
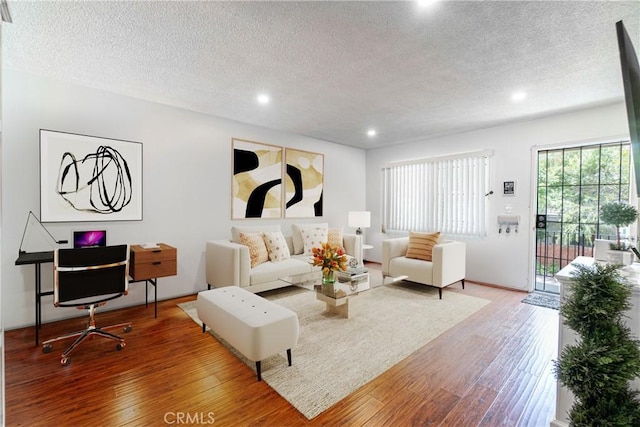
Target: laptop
{"x":89,"y":239}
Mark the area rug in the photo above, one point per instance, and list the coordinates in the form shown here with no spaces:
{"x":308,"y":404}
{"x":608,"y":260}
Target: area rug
{"x":543,"y":300}
{"x":335,"y":356}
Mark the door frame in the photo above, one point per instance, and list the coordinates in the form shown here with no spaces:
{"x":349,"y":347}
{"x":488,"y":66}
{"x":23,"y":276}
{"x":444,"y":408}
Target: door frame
{"x":533,"y":194}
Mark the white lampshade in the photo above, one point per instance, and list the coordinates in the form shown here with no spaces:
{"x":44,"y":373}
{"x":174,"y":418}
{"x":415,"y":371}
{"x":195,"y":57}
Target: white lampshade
{"x":360,"y":219}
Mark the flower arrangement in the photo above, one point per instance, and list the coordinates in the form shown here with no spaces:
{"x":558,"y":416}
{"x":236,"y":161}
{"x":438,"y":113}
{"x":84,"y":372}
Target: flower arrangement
{"x":331,"y":258}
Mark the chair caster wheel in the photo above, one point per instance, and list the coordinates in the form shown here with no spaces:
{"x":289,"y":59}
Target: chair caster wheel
{"x":127,"y":329}
{"x":65,"y":361}
{"x":120,"y":346}
{"x":47,"y":348}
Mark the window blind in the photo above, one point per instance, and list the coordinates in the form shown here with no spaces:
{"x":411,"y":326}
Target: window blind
{"x":445,"y":194}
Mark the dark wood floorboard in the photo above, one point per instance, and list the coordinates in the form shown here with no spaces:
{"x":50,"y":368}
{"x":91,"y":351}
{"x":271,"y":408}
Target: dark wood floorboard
{"x":492,"y":369}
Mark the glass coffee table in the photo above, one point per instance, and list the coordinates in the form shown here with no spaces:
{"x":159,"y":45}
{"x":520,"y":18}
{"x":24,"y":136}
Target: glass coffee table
{"x":339,"y":299}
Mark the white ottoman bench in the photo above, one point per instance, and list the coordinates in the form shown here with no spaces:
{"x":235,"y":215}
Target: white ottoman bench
{"x":256,"y":327}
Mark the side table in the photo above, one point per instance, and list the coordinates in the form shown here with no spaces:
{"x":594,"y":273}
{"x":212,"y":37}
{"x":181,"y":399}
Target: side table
{"x":147,"y":264}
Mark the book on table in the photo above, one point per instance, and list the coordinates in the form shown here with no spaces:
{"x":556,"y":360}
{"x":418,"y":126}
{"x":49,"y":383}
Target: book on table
{"x":352,"y":274}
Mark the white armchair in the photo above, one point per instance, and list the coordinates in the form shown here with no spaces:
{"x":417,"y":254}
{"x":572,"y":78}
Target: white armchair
{"x":446,"y":268}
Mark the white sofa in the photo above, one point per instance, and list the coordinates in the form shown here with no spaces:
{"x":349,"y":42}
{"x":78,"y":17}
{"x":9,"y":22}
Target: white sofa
{"x":228,"y":262}
{"x":446,"y":268}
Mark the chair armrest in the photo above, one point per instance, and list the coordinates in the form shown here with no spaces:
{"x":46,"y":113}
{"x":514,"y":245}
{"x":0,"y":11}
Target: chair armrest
{"x":449,"y":262}
{"x":227,"y":264}
{"x":393,"y":248}
{"x":353,"y":245}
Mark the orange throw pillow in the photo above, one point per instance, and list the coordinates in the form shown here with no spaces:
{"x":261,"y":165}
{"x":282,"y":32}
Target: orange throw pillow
{"x":421,"y":245}
{"x":257,"y":249}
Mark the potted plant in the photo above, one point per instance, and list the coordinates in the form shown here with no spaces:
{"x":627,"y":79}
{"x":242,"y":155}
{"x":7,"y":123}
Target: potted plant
{"x":599,"y":367}
{"x":619,"y":214}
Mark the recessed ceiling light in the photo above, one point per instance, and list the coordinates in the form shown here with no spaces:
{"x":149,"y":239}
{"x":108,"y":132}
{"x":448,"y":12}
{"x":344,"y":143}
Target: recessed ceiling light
{"x":371,"y":132}
{"x":518,"y":96}
{"x":4,"y":12}
{"x":263,"y":99}
{"x":426,"y":3}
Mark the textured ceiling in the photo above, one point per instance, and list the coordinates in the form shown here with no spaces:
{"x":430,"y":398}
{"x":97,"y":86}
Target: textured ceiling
{"x":334,"y":69}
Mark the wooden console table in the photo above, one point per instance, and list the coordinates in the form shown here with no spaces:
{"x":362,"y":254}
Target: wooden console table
{"x":147,"y":264}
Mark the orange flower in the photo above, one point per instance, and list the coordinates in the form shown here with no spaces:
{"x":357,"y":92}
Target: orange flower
{"x":330,"y":258}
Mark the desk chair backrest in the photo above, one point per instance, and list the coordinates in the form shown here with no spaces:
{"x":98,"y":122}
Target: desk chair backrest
{"x":90,"y":275}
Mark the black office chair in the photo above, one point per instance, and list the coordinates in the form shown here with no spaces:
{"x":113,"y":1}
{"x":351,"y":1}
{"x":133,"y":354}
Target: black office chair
{"x":87,"y":278}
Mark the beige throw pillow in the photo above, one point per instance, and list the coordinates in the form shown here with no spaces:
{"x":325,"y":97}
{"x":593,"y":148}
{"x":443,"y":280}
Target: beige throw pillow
{"x":296,"y":234}
{"x":313,"y":238}
{"x":421,"y":245}
{"x":236,"y":230}
{"x":276,"y":245}
{"x":257,"y":249}
{"x":334,"y":237}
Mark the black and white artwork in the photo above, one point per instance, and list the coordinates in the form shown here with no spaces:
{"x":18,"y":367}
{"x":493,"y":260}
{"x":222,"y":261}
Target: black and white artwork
{"x":257,"y":180}
{"x":88,"y":178}
{"x":304,"y":183}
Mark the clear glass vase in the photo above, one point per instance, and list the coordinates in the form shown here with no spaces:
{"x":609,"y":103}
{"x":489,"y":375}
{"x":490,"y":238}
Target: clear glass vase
{"x":328,"y":278}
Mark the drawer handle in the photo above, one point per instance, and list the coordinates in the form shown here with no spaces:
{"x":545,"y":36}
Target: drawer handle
{"x":157,"y":263}
{"x":157,"y":250}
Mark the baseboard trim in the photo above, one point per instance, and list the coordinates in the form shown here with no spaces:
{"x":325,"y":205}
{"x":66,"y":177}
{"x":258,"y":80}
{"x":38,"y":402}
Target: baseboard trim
{"x":492,"y":285}
{"x":378,"y":266}
{"x":556,"y":423}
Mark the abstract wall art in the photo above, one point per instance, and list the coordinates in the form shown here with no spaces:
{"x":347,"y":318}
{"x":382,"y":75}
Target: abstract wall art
{"x":257,"y":180}
{"x":88,"y":178}
{"x":304,"y":183}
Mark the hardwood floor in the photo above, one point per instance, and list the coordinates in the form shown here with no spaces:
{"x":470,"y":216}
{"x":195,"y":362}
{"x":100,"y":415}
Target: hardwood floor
{"x":492,"y":369}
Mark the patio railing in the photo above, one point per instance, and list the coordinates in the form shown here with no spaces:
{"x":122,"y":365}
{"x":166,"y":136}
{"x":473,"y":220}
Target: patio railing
{"x":555,"y":250}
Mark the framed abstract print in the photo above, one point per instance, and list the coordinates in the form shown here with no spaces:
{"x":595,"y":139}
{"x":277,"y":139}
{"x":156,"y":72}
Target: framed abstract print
{"x":257,"y":180}
{"x":304,"y":183}
{"x":89,"y":178}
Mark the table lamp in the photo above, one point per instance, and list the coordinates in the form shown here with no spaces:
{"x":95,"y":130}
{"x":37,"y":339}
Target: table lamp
{"x":37,"y":236}
{"x":359,"y":220}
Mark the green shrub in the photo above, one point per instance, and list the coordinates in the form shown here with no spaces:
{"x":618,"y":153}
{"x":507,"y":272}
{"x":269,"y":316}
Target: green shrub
{"x":598,"y":368}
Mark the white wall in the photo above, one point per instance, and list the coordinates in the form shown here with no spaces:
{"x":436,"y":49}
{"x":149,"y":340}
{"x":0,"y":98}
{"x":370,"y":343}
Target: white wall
{"x":499,"y":259}
{"x":2,"y":376}
{"x":187,"y":181}
{"x":187,"y":167}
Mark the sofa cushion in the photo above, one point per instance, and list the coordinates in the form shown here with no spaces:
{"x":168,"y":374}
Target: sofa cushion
{"x":276,"y":246}
{"x":296,"y":235}
{"x":235,"y":230}
{"x":421,"y":245}
{"x":415,"y":270}
{"x":257,"y":249}
{"x":270,"y":271}
{"x":313,"y":238}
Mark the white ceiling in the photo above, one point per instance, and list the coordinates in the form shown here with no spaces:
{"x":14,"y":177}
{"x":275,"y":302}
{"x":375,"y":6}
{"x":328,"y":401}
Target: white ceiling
{"x":334,"y":69}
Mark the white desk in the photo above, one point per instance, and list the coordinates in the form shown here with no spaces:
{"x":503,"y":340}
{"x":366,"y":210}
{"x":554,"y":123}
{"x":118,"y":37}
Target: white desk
{"x":564,"y":398}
